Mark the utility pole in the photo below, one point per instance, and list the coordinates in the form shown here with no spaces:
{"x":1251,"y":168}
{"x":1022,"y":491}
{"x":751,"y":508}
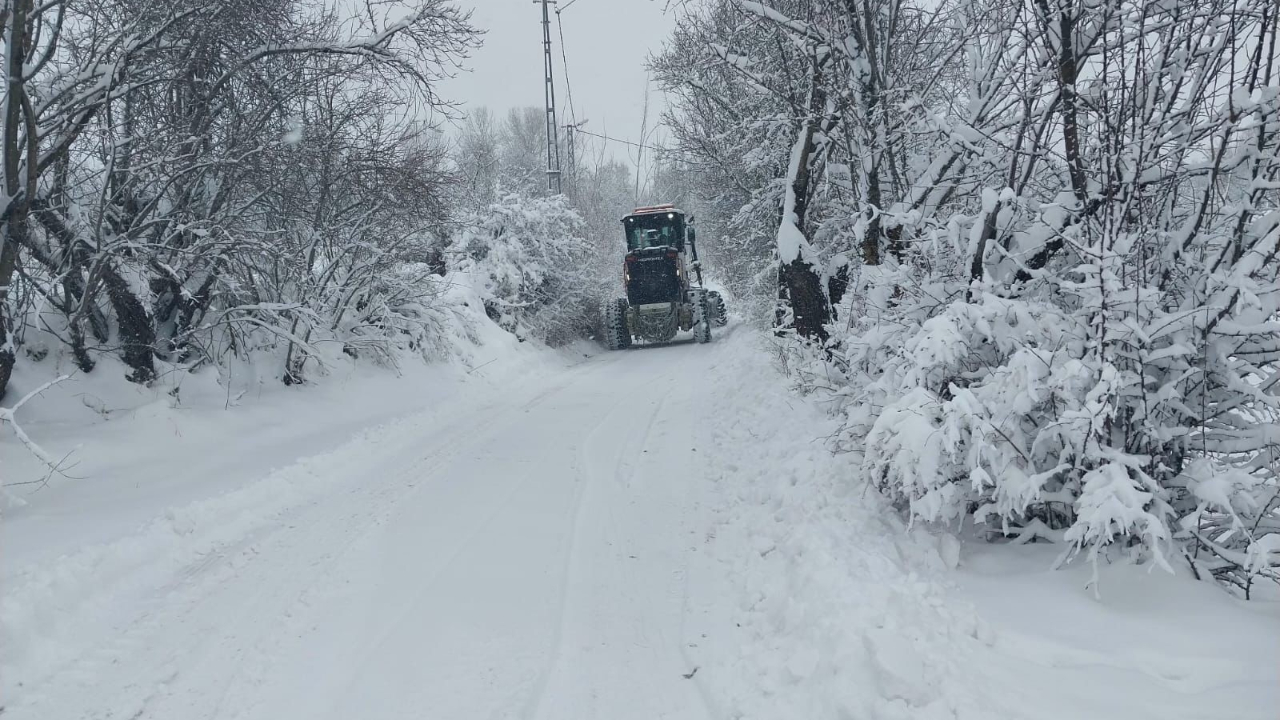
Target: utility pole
{"x":644,"y":131}
{"x":553,"y":147}
{"x":571,"y":146}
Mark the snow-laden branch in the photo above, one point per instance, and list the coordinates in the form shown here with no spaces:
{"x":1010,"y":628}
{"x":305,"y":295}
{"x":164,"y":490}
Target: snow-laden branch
{"x":9,"y":415}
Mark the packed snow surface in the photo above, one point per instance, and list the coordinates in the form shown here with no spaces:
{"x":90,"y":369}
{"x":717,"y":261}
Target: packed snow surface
{"x":656,"y":533}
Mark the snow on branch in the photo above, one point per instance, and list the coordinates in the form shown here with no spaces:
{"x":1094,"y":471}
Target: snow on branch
{"x":9,"y":415}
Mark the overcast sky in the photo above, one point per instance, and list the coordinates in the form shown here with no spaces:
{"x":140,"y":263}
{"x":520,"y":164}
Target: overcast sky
{"x":607,"y":42}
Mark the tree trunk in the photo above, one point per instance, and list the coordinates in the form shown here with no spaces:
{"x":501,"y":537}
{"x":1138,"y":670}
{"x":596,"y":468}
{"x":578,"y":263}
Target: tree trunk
{"x":865,"y":31}
{"x":809,"y":309}
{"x":15,"y":27}
{"x":137,"y":336}
{"x":8,"y":345}
{"x":1068,"y":70}
{"x":799,"y":280}
{"x":837,"y":286}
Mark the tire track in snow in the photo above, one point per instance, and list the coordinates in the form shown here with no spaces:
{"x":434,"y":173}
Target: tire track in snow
{"x":478,"y":539}
{"x":620,"y":557}
{"x":494,"y":425}
{"x":614,"y":587}
{"x":533,"y":705}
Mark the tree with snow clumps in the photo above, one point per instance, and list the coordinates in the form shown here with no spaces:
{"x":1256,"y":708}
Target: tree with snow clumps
{"x":189,"y":182}
{"x":539,"y":274}
{"x":1058,"y":225}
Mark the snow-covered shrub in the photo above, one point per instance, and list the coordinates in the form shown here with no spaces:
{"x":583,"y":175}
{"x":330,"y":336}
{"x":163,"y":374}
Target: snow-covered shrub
{"x":539,"y":272}
{"x":1016,"y":413}
{"x":1097,"y":411}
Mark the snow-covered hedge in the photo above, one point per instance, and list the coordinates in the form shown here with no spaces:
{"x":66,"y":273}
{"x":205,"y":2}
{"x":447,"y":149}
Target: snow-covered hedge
{"x":1099,"y":415}
{"x":539,"y":272}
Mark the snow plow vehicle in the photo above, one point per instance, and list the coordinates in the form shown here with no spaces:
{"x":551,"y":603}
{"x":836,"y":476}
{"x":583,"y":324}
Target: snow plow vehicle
{"x":663,"y":281}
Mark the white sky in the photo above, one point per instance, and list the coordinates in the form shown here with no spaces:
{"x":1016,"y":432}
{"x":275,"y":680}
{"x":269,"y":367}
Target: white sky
{"x":607,"y":43}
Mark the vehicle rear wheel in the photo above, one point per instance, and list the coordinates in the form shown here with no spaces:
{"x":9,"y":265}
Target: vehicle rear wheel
{"x":617,"y":335}
{"x":701,"y":318}
{"x":719,"y":314}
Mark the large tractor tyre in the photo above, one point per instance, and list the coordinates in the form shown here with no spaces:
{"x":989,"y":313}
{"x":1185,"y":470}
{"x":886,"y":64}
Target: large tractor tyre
{"x":617,"y":336}
{"x":701,"y":318}
{"x":719,"y":314}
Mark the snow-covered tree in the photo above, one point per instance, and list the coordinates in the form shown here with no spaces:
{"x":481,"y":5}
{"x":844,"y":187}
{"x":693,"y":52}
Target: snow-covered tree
{"x":1058,"y":226}
{"x":157,"y":159}
{"x":536,"y":266}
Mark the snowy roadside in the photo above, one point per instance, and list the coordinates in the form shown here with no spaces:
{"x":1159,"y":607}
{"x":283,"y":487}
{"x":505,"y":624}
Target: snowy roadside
{"x":131,"y":452}
{"x":76,"y":550}
{"x":843,"y":612}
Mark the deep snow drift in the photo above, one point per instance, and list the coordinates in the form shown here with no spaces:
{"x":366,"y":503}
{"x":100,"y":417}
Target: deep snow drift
{"x":524,"y":534}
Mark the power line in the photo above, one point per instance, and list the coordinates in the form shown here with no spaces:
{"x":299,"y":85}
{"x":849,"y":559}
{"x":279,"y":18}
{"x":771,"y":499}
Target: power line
{"x":655,"y":148}
{"x":576,"y":126}
{"x":573,"y":112}
{"x":564,"y":58}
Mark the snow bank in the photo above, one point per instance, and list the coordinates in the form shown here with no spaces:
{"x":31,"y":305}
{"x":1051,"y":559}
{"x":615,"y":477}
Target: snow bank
{"x":1153,"y":645}
{"x":841,"y":611}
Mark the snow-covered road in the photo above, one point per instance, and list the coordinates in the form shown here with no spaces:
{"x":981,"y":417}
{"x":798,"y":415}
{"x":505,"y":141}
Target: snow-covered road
{"x":524,"y":557}
{"x":656,"y":533}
